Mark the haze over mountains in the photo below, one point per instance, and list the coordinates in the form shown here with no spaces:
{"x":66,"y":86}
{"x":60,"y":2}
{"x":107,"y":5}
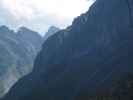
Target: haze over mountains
{"x":39,"y":15}
{"x":83,"y":60}
{"x":51,"y":31}
{"x":17,"y":53}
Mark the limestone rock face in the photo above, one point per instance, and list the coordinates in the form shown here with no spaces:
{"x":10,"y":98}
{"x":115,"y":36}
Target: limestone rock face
{"x":17,"y":54}
{"x":84,"y":58}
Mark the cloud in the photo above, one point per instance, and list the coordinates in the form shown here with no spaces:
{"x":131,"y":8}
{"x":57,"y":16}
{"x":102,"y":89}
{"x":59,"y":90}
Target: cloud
{"x":40,"y":14}
{"x":18,"y":8}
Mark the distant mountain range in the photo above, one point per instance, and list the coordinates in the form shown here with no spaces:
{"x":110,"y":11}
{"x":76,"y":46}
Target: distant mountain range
{"x":17,"y":53}
{"x":84,"y":59}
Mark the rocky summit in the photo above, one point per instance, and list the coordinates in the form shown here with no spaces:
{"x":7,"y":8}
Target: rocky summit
{"x":84,"y":59}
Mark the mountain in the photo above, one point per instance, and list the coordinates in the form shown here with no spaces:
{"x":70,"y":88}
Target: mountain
{"x":17,"y":53}
{"x":51,"y":31}
{"x":84,"y":59}
{"x":32,"y":40}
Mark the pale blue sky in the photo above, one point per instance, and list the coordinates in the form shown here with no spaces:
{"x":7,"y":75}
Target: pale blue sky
{"x":40,"y":14}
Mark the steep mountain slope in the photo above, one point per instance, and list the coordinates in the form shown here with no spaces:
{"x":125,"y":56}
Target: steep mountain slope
{"x":51,"y":31}
{"x":31,"y":38}
{"x":83,"y":59}
{"x":16,"y":55}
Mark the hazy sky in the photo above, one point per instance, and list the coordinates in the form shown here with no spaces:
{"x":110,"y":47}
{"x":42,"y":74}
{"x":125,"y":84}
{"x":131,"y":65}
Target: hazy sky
{"x":40,"y":14}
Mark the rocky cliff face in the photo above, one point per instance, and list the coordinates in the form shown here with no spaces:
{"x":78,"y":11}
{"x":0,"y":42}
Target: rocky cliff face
{"x":31,"y":38}
{"x":17,"y":53}
{"x":84,"y":58}
{"x":51,"y":31}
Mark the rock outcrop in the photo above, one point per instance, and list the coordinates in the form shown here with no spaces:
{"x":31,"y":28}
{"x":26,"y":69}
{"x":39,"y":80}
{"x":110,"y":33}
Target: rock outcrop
{"x":51,"y":31}
{"x":84,"y":58}
{"x":17,"y":54}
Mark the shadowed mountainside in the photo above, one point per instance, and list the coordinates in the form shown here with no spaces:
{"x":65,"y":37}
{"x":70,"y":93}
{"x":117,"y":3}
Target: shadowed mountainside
{"x":85,"y":58}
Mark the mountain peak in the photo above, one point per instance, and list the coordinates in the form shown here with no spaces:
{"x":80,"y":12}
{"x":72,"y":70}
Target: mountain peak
{"x":26,"y":32}
{"x":97,"y":50}
{"x":52,"y":30}
{"x":5,"y":29}
{"x":24,"y":29}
